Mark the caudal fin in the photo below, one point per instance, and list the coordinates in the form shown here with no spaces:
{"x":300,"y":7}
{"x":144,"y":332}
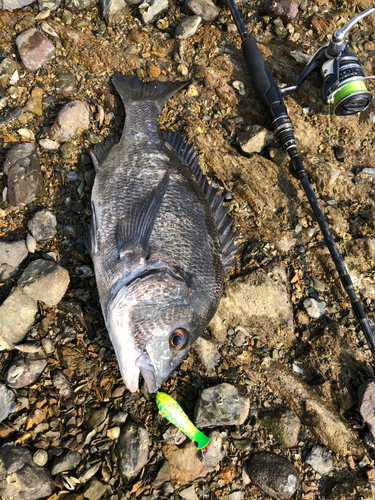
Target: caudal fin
{"x":131,"y":89}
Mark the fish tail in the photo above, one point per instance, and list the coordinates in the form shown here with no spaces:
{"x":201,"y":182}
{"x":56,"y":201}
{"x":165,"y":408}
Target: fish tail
{"x":131,"y":89}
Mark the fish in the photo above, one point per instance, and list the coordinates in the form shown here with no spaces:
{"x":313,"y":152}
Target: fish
{"x":160,"y":238}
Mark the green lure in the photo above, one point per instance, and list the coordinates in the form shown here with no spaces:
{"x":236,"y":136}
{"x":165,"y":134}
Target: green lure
{"x":173,"y":412}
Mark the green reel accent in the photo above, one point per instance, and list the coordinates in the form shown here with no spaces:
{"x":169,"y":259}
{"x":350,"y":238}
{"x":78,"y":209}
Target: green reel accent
{"x":349,"y":88}
{"x":173,"y":412}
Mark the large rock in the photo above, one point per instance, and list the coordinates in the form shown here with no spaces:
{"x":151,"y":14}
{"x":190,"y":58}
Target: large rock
{"x":20,"y":477}
{"x":17,"y":315}
{"x":71,"y":121}
{"x":24,"y":175}
{"x":34,"y":48}
{"x":11,"y":256}
{"x":260,"y":303}
{"x":44,"y":280}
{"x":184,"y":463}
{"x":132,"y":448}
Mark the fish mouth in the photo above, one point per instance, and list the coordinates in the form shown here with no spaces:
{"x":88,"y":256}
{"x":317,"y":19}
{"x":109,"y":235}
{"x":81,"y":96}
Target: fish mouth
{"x":144,"y":364}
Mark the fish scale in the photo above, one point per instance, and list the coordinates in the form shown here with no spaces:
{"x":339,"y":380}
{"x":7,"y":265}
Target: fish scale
{"x":154,"y":240}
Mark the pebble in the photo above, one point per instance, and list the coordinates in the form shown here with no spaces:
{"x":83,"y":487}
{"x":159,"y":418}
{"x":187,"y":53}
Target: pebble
{"x":40,"y":457}
{"x":49,"y":145}
{"x":320,"y":460}
{"x":34,"y":48}
{"x":208,"y":354}
{"x":222,"y":404}
{"x":273,"y":474}
{"x":214,"y":453}
{"x":62,"y":384}
{"x":366,"y":397}
{"x":174,"y":436}
{"x":31,"y":243}
{"x":206,"y":9}
{"x":24,"y":370}
{"x":284,"y":425}
{"x":43,"y":13}
{"x":187,"y":27}
{"x":184,"y":463}
{"x":52,"y":5}
{"x":132,"y":449}
{"x":95,"y":490}
{"x":11,"y":255}
{"x":71,"y":121}
{"x":24,"y":175}
{"x":43,"y":225}
{"x":8,"y":68}
{"x":254,"y":139}
{"x":96,"y":417}
{"x":67,"y":17}
{"x":114,"y":11}
{"x":151,"y":10}
{"x":47,"y":29}
{"x":45,"y":281}
{"x":17,"y":315}
{"x":66,"y":82}
{"x":26,"y":134}
{"x":313,"y":308}
{"x":260,"y":300}
{"x":68,"y":460}
{"x":34,"y":103}
{"x":287,"y":10}
{"x":7,"y":402}
{"x":188,"y":494}
{"x":21,"y":477}
{"x":163,"y":475}
{"x":78,"y":5}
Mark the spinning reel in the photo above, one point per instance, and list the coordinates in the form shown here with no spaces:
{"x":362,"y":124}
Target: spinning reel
{"x":344,"y":84}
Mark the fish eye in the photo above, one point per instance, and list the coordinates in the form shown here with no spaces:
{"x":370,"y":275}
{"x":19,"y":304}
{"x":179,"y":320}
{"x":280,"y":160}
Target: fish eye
{"x":178,"y":339}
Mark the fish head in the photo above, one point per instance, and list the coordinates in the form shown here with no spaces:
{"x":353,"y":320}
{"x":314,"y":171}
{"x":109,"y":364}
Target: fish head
{"x":152,"y":324}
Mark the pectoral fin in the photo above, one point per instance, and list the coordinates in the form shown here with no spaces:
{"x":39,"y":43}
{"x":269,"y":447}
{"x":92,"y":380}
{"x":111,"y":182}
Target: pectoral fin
{"x":137,"y":226}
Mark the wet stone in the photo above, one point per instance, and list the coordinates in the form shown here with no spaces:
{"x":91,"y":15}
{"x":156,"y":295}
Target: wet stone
{"x":132,"y":449}
{"x":24,"y":175}
{"x":313,"y":308}
{"x":34,"y":48}
{"x":71,"y":121}
{"x":254,"y":139}
{"x":7,"y":402}
{"x":320,"y":460}
{"x":66,"y":83}
{"x":24,"y":370}
{"x":221,"y":405}
{"x":114,"y":11}
{"x":273,"y":474}
{"x":284,"y":425}
{"x":67,"y":461}
{"x":43,"y":225}
{"x":366,"y":396}
{"x":45,"y":281}
{"x":151,"y":10}
{"x":206,"y":9}
{"x":17,"y":315}
{"x":187,"y":27}
{"x":11,"y":256}
{"x":20,"y":477}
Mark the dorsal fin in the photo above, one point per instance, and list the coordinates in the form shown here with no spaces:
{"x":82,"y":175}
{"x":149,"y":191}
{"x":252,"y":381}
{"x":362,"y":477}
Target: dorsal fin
{"x":137,"y":226}
{"x":101,"y":149}
{"x":188,"y":155}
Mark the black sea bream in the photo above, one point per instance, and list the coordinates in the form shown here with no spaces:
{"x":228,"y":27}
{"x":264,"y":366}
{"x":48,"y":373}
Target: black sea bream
{"x":160,"y":239}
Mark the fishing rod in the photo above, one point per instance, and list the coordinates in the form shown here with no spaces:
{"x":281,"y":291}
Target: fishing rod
{"x":344,"y":86}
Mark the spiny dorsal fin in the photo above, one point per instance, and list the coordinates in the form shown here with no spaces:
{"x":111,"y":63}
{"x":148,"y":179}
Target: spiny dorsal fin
{"x":137,"y":226}
{"x":101,"y":149}
{"x":189,"y":156}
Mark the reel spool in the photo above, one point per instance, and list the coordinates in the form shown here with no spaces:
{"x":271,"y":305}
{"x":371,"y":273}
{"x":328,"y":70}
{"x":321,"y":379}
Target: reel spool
{"x":344,"y":84}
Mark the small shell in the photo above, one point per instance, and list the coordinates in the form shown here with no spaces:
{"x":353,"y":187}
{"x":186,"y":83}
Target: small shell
{"x":100,"y":115}
{"x":183,"y":70}
{"x":162,"y":24}
{"x":43,"y":14}
{"x":14,"y":78}
{"x":49,"y":144}
{"x":47,"y":28}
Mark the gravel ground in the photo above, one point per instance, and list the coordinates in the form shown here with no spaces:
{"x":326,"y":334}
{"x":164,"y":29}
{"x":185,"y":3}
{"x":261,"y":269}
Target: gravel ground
{"x":77,"y":412}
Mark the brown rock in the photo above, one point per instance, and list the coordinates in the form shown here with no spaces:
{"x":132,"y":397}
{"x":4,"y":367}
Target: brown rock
{"x":184,"y":463}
